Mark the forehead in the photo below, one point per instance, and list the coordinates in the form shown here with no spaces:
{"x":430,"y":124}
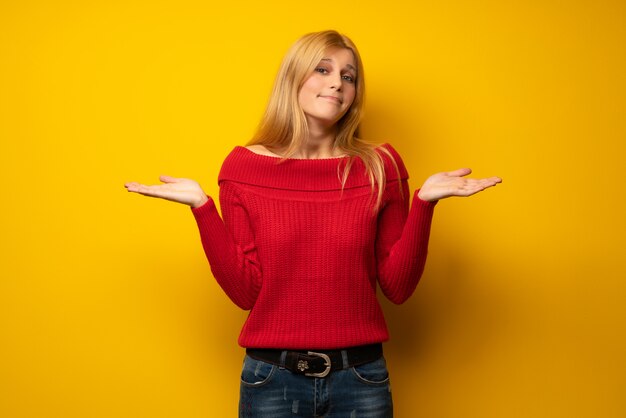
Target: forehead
{"x":342,"y":57}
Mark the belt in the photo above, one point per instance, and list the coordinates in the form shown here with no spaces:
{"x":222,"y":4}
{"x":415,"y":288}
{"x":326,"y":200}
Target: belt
{"x":318,"y":363}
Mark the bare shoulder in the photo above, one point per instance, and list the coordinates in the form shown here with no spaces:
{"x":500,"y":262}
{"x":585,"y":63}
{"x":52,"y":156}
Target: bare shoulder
{"x":261,"y":150}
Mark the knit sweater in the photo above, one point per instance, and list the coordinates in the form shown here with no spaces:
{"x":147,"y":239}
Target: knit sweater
{"x":305,"y":256}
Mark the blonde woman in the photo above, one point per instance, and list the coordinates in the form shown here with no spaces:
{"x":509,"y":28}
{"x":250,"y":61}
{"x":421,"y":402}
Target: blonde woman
{"x":314,"y":218}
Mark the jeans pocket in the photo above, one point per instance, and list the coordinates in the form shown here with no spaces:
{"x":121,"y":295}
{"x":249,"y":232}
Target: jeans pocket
{"x":256,"y":372}
{"x":373,"y":373}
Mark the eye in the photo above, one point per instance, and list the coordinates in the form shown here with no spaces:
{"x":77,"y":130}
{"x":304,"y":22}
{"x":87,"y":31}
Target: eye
{"x":321,"y":70}
{"x":348,"y":77}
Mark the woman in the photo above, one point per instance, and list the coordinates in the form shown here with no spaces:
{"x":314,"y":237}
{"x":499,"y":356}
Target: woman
{"x":313,"y":218}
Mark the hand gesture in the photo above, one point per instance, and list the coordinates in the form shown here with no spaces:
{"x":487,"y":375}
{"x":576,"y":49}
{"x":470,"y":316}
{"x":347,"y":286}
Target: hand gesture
{"x":442,"y":185}
{"x":179,"y":190}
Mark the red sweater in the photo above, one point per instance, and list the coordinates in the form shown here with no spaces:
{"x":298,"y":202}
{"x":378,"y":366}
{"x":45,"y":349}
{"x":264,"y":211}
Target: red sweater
{"x":304,"y":257}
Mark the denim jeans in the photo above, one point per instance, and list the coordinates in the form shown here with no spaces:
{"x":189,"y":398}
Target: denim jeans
{"x":270,"y":391}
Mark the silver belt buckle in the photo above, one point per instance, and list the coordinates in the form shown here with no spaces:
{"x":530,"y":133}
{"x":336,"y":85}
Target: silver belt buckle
{"x":326,"y":363}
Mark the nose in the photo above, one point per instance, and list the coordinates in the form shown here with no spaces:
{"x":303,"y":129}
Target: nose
{"x":336,"y":83}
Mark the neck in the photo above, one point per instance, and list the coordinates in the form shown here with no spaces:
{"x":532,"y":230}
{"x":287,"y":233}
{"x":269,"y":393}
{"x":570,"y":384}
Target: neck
{"x":320,"y":143}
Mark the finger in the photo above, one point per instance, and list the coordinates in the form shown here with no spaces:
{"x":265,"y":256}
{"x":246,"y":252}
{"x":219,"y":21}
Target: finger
{"x":147,"y":190}
{"x":142,"y":189}
{"x":460,"y":172}
{"x":168,"y":179}
{"x":491,"y":181}
{"x":132,"y":186}
{"x":486,"y":182}
{"x":475,"y":186}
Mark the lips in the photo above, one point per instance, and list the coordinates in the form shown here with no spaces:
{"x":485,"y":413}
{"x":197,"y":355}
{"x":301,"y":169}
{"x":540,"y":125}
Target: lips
{"x":334,"y":99}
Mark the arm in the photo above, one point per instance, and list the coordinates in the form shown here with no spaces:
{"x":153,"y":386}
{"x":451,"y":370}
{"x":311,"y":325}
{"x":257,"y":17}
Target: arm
{"x":229,"y":247}
{"x":402,"y":242}
{"x":228,"y":244}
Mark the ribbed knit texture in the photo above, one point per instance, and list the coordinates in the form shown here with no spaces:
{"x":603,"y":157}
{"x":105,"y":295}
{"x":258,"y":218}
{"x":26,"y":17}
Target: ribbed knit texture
{"x":304,"y":256}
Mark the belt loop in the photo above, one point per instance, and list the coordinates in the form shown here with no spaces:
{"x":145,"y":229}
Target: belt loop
{"x":344,"y":358}
{"x":283,"y":357}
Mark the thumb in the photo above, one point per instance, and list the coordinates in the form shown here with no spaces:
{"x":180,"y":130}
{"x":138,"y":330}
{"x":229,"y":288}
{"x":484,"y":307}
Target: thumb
{"x":460,"y":172}
{"x":168,"y":179}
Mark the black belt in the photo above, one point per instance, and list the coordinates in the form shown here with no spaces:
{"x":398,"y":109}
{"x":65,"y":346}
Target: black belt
{"x":317,"y":363}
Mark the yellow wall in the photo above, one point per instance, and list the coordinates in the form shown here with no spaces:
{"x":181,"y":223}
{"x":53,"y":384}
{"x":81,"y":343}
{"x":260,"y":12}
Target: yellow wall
{"x":107,"y":305}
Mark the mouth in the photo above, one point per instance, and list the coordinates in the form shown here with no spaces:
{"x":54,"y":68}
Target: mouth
{"x":332,"y":99}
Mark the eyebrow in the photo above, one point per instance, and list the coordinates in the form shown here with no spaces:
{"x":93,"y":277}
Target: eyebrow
{"x":350,"y":66}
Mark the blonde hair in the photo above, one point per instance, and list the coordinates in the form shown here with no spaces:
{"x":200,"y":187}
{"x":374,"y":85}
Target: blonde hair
{"x":284,"y":124}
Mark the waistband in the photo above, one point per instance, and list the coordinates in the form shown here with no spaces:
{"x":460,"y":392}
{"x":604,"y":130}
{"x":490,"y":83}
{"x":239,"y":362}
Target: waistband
{"x":318,"y":363}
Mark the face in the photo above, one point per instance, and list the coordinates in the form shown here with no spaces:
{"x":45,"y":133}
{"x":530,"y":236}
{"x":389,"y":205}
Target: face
{"x":329,"y":92}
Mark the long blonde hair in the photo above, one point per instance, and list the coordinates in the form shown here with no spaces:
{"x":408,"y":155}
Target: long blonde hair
{"x":284,"y":124}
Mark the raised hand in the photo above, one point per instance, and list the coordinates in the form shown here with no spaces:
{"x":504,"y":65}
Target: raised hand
{"x":452,"y":183}
{"x":179,"y":190}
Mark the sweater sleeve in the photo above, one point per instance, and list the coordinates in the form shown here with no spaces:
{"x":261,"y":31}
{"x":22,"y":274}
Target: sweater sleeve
{"x":229,"y":247}
{"x":402,"y":242}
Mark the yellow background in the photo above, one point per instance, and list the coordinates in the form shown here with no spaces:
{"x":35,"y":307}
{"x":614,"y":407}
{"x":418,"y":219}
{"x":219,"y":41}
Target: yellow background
{"x":107,"y":305}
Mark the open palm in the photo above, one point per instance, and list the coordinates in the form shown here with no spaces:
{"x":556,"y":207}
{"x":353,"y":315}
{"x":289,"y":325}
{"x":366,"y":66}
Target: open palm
{"x":453,"y":183}
{"x":179,"y":190}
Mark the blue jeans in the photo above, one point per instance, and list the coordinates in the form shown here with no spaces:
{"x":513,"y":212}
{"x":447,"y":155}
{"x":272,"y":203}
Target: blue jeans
{"x":270,"y":391}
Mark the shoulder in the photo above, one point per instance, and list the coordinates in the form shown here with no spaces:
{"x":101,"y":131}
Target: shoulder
{"x":261,"y":150}
{"x":236,"y":163}
{"x":394,"y":165}
{"x":244,"y":165}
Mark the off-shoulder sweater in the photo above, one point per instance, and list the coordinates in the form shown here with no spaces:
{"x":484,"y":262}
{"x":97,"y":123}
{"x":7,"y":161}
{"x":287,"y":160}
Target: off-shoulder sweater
{"x":305,"y":255}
